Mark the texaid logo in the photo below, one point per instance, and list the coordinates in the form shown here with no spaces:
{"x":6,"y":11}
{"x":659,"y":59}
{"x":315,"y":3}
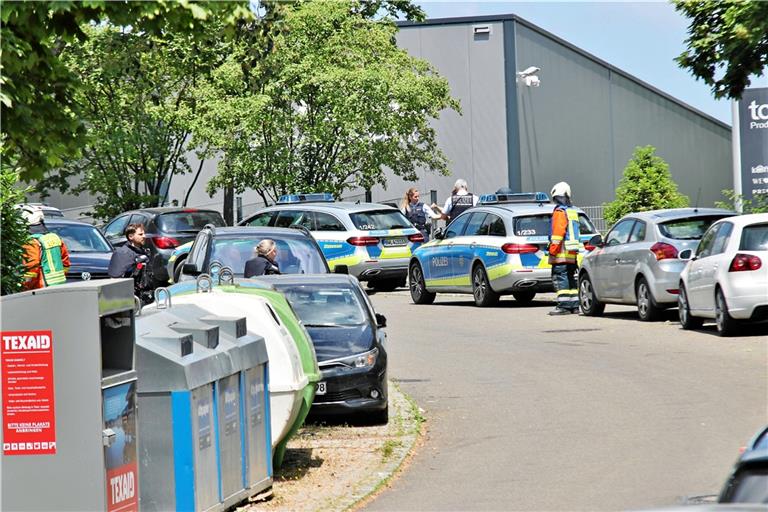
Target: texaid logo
{"x":758,"y":113}
{"x":30,"y":342}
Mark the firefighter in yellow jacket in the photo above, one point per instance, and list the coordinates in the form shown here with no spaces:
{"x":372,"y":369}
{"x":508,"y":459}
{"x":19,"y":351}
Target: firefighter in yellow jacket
{"x":46,"y":259}
{"x":564,"y":248}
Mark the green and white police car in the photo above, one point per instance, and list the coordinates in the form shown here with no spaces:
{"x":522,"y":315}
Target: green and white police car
{"x":373,"y":242}
{"x":499,"y":247}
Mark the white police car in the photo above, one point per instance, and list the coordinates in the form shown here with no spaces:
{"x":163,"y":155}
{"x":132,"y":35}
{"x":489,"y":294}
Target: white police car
{"x":499,"y":247}
{"x":373,"y":242}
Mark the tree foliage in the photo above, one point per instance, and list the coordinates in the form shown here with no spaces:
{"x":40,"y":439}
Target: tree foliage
{"x":646,"y":185}
{"x":727,"y":43}
{"x":13,"y":230}
{"x":41,"y":118}
{"x":737,"y":202}
{"x":328,"y":109}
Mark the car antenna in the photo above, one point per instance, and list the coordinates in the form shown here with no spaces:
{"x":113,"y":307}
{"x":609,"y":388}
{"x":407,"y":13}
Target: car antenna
{"x":698,"y":197}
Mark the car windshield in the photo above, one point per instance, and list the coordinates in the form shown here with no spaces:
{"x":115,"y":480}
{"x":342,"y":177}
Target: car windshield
{"x":80,"y":238}
{"x":689,"y":228}
{"x":294,"y":255}
{"x":189,"y":221}
{"x":754,"y":238}
{"x":539,"y":225}
{"x":324,"y":305}
{"x":379,"y":219}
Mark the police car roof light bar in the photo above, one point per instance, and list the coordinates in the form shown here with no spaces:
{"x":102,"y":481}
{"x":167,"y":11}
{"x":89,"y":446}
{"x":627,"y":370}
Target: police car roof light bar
{"x":518,"y":197}
{"x":317,"y":197}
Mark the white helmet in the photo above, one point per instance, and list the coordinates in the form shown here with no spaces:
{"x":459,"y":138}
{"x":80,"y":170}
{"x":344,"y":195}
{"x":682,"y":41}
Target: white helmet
{"x":561,"y":189}
{"x":32,"y":214}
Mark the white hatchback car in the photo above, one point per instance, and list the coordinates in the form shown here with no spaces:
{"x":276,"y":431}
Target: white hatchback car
{"x":727,"y":277}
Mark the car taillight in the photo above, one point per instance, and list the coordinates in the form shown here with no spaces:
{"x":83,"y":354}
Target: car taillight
{"x":139,"y":266}
{"x":664,"y":251}
{"x":742,"y":262}
{"x":363,"y":240}
{"x":588,"y":247}
{"x":519,"y":248}
{"x":165,"y":242}
{"x":418,"y":237}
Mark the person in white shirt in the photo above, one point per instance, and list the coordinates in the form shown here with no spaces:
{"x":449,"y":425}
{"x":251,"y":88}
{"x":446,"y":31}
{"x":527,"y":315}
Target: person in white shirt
{"x":459,"y":201}
{"x":417,"y":212}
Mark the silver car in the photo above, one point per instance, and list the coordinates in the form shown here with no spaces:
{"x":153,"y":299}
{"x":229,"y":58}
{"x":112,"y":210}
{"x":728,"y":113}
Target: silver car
{"x":638,"y":261}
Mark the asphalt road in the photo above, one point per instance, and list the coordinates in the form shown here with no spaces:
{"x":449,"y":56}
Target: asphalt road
{"x":531,"y":412}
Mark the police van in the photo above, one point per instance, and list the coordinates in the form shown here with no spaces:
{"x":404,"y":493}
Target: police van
{"x":373,"y":242}
{"x":499,"y":247}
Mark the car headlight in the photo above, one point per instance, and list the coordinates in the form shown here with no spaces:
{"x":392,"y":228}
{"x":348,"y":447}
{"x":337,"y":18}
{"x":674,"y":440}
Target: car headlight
{"x":364,"y":360}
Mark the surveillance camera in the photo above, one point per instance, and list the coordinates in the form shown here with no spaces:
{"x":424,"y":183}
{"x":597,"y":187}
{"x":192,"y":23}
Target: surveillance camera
{"x":532,"y":81}
{"x":529,"y":71}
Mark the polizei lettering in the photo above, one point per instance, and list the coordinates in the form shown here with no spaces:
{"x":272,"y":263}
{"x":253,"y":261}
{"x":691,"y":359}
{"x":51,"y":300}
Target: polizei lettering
{"x":123,"y":487}
{"x":31,"y":342}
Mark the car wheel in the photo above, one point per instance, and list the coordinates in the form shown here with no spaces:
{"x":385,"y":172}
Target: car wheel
{"x":684,"y":311}
{"x":590,"y":304}
{"x":481,"y":288}
{"x":419,"y":293}
{"x":384,"y":285}
{"x":524,"y":297}
{"x":647,"y":309}
{"x":726,"y":325}
{"x":177,"y":270}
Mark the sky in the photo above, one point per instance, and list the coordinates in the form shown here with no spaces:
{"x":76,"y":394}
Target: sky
{"x":640,"y":38}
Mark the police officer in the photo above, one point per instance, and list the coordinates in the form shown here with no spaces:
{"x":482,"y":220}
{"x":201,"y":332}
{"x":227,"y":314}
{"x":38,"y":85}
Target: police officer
{"x":264,"y":263}
{"x":460,"y":201}
{"x":46,"y":259}
{"x":564,"y":248}
{"x":417,"y":212}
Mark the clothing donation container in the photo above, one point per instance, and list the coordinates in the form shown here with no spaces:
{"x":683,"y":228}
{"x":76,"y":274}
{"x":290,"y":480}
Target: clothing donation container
{"x":69,"y":398}
{"x":203,"y":390}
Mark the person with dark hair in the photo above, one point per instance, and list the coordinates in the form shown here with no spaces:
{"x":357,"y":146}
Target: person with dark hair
{"x":124,"y":258}
{"x":46,"y":259}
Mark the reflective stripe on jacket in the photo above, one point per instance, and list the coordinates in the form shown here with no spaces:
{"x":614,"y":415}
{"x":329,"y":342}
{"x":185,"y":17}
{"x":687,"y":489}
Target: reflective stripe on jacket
{"x":564,"y":241}
{"x":52,"y":259}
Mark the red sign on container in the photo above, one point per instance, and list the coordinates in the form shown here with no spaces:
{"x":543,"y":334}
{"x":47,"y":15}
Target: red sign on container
{"x":29,"y":419}
{"x":122,"y":487}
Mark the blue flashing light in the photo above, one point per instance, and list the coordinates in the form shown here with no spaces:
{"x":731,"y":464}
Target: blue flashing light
{"x":318,"y":197}
{"x":518,"y":197}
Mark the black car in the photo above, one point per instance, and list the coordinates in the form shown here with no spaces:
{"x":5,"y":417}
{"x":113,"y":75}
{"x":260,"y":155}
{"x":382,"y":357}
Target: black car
{"x":748,"y":482}
{"x":166,"y":229}
{"x":297,"y":251}
{"x":89,"y":251}
{"x":349,"y":340}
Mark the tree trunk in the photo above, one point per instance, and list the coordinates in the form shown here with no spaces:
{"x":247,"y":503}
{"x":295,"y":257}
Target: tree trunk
{"x":228,"y":210}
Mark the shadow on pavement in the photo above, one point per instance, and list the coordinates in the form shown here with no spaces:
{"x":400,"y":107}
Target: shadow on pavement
{"x":297,"y":463}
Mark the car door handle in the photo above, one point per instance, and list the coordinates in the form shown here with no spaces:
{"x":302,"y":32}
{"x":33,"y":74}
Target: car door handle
{"x":472,"y":245}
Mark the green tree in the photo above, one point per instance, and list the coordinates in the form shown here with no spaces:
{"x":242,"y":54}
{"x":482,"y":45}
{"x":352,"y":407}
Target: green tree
{"x":758,"y":204}
{"x":41,"y":122}
{"x":13,"y":230}
{"x":333,"y":104}
{"x":646,"y":185}
{"x":727,"y":43}
{"x":135,"y":98}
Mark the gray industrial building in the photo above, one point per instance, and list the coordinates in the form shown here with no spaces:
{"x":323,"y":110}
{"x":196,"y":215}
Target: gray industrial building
{"x":581,"y":124}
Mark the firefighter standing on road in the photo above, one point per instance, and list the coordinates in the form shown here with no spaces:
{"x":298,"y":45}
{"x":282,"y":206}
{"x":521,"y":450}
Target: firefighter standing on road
{"x":564,"y":248}
{"x":46,"y":259}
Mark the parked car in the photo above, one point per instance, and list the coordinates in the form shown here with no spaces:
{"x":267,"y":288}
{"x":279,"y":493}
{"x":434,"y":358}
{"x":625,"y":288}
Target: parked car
{"x":372,"y":241}
{"x":727,"y":277}
{"x":349,"y":340}
{"x":638,"y":262}
{"x":297,"y":251}
{"x":499,"y":247}
{"x":166,"y":229}
{"x":89,"y":251}
{"x":748,"y":481}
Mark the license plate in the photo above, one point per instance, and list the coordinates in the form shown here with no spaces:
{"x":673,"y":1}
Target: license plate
{"x":322,"y":388}
{"x":394,"y":242}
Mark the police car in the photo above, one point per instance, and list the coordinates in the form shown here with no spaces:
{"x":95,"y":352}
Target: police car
{"x":373,"y":242}
{"x":499,"y":247}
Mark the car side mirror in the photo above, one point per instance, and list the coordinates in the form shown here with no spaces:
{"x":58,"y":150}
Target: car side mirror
{"x":341,"y":269}
{"x":439,"y":234}
{"x":381,"y":320}
{"x":596,"y":241}
{"x":686,"y":254}
{"x":190,"y":269}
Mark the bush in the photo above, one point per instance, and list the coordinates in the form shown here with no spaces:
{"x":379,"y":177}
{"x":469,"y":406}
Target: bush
{"x":13,"y":232}
{"x":758,"y":204}
{"x":646,"y":185}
